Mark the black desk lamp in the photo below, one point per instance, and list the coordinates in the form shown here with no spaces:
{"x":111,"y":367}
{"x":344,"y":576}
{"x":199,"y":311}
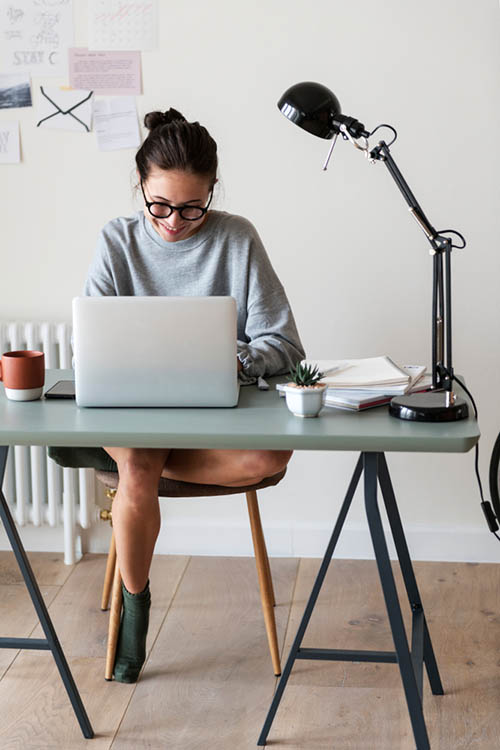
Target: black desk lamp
{"x":316,"y":109}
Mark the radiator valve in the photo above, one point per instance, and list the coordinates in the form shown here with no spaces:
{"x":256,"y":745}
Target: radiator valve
{"x":106,"y":514}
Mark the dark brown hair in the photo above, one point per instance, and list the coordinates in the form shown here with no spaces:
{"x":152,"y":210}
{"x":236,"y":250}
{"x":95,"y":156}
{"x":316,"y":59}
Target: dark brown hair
{"x":174,"y":143}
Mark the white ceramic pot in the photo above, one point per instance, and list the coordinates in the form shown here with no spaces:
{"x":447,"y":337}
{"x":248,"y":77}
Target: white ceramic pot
{"x":305,"y":401}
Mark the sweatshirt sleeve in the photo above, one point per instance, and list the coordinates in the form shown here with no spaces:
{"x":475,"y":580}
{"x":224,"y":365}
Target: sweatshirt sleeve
{"x":272,"y":344}
{"x":99,"y":281}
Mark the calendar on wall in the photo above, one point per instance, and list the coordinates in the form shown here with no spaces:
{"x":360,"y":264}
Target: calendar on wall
{"x":123,"y":24}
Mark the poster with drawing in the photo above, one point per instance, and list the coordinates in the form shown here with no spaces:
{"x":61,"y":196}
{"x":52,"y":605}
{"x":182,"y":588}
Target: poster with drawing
{"x":35,"y":36}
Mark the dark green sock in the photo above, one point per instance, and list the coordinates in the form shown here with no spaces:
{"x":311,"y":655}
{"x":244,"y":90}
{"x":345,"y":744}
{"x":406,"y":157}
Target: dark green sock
{"x":131,"y":649}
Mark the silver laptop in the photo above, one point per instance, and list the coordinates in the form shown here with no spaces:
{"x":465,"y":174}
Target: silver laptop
{"x":155,"y":351}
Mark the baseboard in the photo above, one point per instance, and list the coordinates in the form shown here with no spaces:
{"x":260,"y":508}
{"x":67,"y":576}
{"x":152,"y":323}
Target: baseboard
{"x":182,"y":536}
{"x":228,"y":538}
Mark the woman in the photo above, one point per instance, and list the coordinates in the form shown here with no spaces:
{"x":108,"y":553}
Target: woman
{"x":177,"y":246}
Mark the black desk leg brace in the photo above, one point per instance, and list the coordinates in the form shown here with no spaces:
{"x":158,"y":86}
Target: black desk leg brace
{"x":411,"y":662}
{"x":50,"y":642}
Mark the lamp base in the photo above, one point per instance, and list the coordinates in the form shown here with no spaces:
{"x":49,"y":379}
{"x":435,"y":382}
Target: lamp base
{"x":428,"y":407}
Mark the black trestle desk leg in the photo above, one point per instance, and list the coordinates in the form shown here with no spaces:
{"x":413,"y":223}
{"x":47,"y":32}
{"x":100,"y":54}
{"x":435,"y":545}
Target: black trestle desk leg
{"x":405,"y":662}
{"x":52,"y":641}
{"x":409,"y":577}
{"x":312,"y":601}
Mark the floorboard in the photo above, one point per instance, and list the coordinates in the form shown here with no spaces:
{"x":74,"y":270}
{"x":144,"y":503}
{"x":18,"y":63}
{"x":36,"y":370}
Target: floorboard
{"x":208,"y":682}
{"x":209,"y":679}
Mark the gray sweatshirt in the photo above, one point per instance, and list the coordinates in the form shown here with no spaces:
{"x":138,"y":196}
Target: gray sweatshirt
{"x":225,"y":257}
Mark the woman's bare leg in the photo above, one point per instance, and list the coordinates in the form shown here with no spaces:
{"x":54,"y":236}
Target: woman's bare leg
{"x":136,"y":522}
{"x":136,"y":512}
{"x":230,"y":468}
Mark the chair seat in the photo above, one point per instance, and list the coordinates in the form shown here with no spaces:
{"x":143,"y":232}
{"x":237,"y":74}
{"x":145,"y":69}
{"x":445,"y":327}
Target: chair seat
{"x":175,"y":488}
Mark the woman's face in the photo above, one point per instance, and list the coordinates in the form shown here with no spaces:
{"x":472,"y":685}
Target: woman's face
{"x":175,"y":188}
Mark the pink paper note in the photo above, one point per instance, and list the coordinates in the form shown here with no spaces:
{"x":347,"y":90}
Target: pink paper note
{"x":105,"y":72}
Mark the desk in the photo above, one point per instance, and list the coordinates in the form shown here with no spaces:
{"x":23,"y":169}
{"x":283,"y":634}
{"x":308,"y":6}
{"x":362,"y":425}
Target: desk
{"x":261,"y":421}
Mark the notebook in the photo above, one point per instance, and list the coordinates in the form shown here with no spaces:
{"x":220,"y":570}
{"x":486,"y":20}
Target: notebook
{"x":155,"y":351}
{"x":360,"y":373}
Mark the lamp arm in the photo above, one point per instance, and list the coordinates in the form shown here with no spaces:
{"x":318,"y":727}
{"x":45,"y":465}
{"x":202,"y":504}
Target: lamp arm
{"x":442,"y":372}
{"x":381,"y":152}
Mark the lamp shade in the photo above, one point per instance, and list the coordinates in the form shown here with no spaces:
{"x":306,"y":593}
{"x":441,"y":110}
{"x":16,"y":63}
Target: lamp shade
{"x":312,"y":107}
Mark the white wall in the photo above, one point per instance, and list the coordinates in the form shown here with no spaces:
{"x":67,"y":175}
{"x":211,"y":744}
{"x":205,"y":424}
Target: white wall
{"x":355,"y":265}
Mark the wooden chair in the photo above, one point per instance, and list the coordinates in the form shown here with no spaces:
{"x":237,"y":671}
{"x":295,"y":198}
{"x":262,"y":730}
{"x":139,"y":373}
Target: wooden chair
{"x":172,"y":488}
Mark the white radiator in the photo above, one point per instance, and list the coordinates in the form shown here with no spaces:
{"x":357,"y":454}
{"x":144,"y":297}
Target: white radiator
{"x":37,"y":489}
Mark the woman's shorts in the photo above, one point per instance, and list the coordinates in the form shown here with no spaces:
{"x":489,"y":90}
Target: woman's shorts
{"x":82,"y":458}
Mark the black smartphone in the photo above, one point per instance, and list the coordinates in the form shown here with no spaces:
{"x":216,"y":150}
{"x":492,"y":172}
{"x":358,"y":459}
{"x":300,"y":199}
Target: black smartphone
{"x":62,"y":389}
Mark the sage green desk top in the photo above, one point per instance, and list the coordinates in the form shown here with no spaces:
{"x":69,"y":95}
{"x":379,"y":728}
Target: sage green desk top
{"x":261,"y":420}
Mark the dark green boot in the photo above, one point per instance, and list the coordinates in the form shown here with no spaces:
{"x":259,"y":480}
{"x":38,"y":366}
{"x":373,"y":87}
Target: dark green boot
{"x":131,"y":649}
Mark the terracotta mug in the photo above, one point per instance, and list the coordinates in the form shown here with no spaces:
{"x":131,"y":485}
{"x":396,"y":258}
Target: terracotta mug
{"x":23,"y":375}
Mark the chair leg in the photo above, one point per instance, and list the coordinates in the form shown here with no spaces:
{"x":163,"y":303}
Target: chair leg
{"x":255,"y":523}
{"x":114,"y":622}
{"x":110,"y":569}
{"x":265,"y":580}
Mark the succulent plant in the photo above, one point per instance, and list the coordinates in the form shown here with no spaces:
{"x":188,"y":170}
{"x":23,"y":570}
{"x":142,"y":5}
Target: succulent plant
{"x":304,"y":375}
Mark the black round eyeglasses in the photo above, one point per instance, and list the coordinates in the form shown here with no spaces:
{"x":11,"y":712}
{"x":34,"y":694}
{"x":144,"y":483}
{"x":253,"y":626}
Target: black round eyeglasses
{"x":163,"y":210}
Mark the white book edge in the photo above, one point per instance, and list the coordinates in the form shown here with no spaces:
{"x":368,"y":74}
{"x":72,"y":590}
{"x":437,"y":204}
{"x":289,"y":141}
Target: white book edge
{"x":353,"y":399}
{"x":398,"y":390}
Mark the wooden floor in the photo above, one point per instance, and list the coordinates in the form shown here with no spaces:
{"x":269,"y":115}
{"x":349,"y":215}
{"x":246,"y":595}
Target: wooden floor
{"x":208,"y":682}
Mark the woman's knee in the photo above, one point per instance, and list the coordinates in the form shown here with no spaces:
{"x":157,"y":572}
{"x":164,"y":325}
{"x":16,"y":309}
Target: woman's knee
{"x":261,"y":464}
{"x":139,"y":467}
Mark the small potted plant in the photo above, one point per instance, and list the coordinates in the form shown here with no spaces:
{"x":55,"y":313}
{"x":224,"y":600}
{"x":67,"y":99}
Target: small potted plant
{"x":304,"y":392}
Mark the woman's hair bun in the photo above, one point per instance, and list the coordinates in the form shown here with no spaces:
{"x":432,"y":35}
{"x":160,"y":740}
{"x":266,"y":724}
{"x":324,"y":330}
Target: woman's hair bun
{"x":153,"y":119}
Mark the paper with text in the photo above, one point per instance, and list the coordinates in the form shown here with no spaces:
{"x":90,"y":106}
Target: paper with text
{"x":123,"y":24}
{"x":105,"y":72}
{"x":115,"y":123}
{"x":35,"y":36}
{"x":10,"y":151}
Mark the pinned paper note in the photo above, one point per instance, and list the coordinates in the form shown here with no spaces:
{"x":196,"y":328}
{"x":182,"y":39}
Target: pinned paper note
{"x":15,"y":90}
{"x":10,"y":152}
{"x":35,"y":36}
{"x":105,"y":72}
{"x":63,"y":109}
{"x":115,"y":123}
{"x":123,"y":24}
